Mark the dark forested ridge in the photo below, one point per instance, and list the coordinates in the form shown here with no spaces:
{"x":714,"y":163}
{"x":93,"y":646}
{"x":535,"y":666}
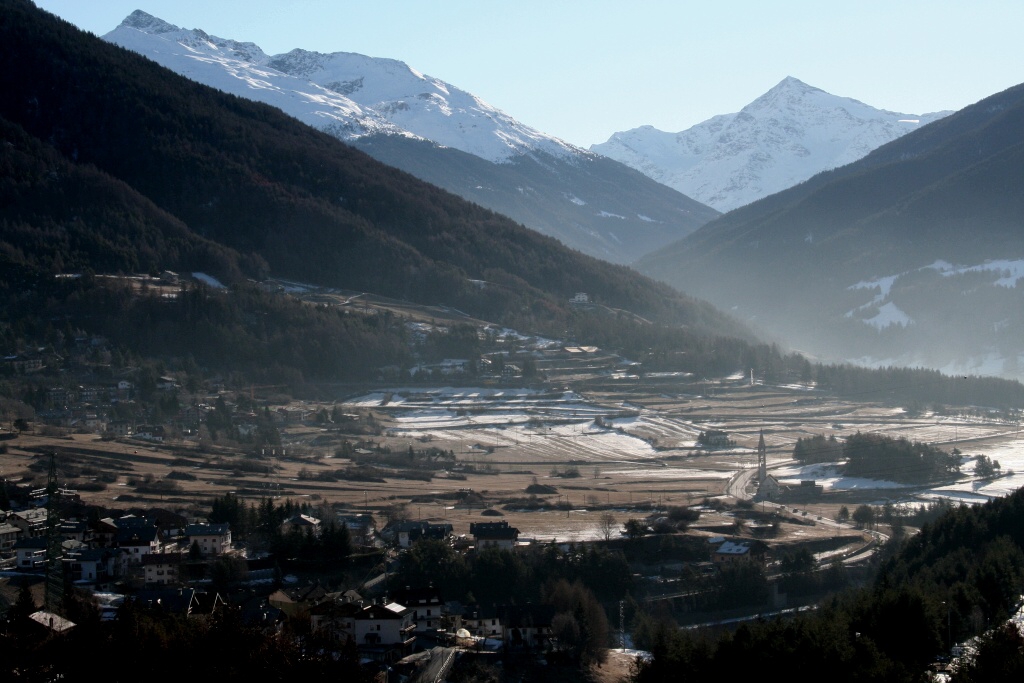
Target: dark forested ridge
{"x":959,"y":577}
{"x":271,"y":192}
{"x":807,"y":262}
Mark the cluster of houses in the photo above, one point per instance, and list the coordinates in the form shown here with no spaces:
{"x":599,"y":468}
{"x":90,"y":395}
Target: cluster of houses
{"x":89,"y":408}
{"x":388,"y":629}
{"x":156,"y":551}
{"x":149,"y":549}
{"x":153,"y":550}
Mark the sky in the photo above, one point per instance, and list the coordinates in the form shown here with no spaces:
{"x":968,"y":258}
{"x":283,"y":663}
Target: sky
{"x":583,"y":70}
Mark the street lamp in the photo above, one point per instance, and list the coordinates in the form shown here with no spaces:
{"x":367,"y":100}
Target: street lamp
{"x":949,"y":628}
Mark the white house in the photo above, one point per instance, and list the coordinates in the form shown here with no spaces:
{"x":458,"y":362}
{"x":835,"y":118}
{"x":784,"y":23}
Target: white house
{"x":97,"y":565}
{"x":8,"y":536}
{"x":32,"y":522}
{"x":483,"y":621}
{"x":138,"y":541}
{"x":729,"y":552}
{"x":31,"y":553}
{"x":385,"y":625}
{"x":426,"y":605}
{"x":162,"y":569}
{"x":212,"y":539}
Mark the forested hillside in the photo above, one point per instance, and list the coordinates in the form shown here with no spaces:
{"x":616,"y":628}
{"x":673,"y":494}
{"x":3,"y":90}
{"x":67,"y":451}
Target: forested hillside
{"x":273,"y":190}
{"x":908,"y":256}
{"x":959,"y":577}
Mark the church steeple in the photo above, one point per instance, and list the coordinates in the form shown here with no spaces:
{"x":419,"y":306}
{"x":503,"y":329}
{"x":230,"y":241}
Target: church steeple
{"x":762,"y":459}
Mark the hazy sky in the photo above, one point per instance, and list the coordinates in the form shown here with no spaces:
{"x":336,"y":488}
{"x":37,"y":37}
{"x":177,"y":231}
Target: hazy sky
{"x":584,"y":70}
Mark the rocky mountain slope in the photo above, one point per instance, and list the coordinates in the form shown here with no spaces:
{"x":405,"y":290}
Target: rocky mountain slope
{"x":439,"y":133}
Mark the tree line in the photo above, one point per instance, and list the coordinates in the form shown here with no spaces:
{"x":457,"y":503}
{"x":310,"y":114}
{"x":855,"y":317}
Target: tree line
{"x":960,"y":577}
{"x":877,"y":456}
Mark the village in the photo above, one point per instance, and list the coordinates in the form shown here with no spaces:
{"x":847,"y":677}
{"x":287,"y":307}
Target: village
{"x":662,"y":493}
{"x":158,"y":559}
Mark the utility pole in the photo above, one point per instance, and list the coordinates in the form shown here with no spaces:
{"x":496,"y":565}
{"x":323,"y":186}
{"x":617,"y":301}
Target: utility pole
{"x":54,"y":599}
{"x":622,"y":625}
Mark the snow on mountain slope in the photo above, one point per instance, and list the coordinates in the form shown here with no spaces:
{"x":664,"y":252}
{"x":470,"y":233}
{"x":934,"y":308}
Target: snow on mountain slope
{"x":780,"y":139}
{"x":348,"y":95}
{"x":440,"y":134}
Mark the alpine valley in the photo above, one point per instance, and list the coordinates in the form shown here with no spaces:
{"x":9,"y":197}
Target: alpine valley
{"x":909,"y":255}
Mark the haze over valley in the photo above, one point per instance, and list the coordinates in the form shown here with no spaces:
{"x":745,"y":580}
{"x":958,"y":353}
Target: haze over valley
{"x":316,"y":365}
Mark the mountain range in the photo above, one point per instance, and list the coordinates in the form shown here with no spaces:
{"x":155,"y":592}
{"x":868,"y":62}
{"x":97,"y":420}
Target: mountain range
{"x":439,"y":133}
{"x":780,"y":139}
{"x":911,"y":255}
{"x":113,"y":164}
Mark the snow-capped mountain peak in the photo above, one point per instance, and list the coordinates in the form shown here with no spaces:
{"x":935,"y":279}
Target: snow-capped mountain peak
{"x":782,"y":138}
{"x":348,"y":94}
{"x":146,"y":22}
{"x":439,"y":133}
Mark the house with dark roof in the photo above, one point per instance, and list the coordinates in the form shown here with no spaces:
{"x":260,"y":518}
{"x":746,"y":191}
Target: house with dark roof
{"x":527,"y":626}
{"x":494,"y":535}
{"x":75,"y":529}
{"x":296,"y":599}
{"x":104,"y":532}
{"x":96,"y":565}
{"x":138,"y":540}
{"x":406,"y":533}
{"x":426,"y":604}
{"x":30,"y":553}
{"x":335,"y":619}
{"x":301,"y":524}
{"x":483,"y":621}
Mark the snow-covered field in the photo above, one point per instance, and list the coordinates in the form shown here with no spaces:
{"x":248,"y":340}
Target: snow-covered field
{"x":627,"y":442}
{"x":1009,"y":453}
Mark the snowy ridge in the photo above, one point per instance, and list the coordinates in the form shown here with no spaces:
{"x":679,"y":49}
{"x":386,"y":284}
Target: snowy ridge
{"x":1005,"y":273}
{"x":347,"y":95}
{"x":780,"y":139}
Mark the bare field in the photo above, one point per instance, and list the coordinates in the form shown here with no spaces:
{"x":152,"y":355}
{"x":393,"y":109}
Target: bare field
{"x":622,"y":450}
